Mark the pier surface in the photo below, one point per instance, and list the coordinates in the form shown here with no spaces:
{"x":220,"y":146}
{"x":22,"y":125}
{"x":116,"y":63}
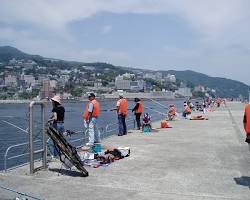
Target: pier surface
{"x":201,"y":160}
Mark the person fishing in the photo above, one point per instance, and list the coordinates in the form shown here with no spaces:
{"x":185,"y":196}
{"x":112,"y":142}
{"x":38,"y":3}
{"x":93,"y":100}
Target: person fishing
{"x":138,"y":109}
{"x":186,"y":110}
{"x":246,"y":123}
{"x":90,"y":116}
{"x":121,"y":109}
{"x":172,"y":112}
{"x":57,"y":119}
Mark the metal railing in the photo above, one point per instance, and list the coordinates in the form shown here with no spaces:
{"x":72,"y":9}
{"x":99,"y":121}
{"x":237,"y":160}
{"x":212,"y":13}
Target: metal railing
{"x":6,"y":158}
{"x":129,"y":122}
{"x":105,"y":132}
{"x":43,"y":151}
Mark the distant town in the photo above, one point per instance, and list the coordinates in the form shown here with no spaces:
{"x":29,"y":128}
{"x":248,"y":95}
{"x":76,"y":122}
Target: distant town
{"x":26,"y":79}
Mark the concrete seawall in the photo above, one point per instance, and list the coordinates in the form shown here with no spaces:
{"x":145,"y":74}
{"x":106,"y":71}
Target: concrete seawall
{"x":14,"y":101}
{"x":200,"y":160}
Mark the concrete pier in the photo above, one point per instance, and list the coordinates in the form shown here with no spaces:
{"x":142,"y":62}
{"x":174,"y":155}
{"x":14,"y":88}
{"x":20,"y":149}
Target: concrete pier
{"x":201,"y":160}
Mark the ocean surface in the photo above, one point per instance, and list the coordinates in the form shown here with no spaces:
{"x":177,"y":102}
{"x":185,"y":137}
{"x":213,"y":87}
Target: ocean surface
{"x":18,"y":115}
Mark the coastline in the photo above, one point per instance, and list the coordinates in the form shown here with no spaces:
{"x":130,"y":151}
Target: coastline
{"x":27,"y":101}
{"x":12,"y":101}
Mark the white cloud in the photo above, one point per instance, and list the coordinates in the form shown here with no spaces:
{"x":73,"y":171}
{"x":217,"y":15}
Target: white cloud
{"x":222,"y":29}
{"x":211,"y":18}
{"x":9,"y":34}
{"x":209,"y":15}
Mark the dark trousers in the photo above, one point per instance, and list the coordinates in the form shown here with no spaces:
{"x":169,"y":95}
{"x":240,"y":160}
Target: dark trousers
{"x":122,"y":124}
{"x":138,"y":120}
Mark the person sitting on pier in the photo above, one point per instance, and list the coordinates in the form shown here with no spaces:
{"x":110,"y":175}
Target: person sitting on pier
{"x":146,"y":123}
{"x":172,"y":114}
{"x":187,"y":111}
{"x":191,"y":105}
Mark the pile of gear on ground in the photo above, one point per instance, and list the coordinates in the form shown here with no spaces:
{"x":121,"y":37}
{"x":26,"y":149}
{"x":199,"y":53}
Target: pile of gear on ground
{"x":105,"y":158}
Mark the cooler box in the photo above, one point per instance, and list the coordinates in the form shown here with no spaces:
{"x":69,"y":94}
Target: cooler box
{"x":146,"y":129}
{"x":96,"y":148}
{"x":164,"y":124}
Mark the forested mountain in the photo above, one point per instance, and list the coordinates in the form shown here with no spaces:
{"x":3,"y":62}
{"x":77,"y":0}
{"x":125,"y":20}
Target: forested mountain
{"x":224,"y":87}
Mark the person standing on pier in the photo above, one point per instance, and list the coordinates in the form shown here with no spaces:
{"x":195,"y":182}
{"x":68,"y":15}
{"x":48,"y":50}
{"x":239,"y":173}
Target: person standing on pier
{"x":121,"y":108}
{"x":138,"y":109}
{"x":90,"y":116}
{"x":57,"y":119}
{"x":246,"y":123}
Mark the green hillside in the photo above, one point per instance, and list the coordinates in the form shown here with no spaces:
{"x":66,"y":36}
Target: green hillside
{"x":224,"y":87}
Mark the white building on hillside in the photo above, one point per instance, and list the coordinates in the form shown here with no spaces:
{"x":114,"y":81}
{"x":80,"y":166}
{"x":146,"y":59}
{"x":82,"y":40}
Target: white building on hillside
{"x":29,"y":79}
{"x":129,"y":85}
{"x":170,"y":78}
{"x":121,"y":84}
{"x":184,"y":91}
{"x":10,"y":81}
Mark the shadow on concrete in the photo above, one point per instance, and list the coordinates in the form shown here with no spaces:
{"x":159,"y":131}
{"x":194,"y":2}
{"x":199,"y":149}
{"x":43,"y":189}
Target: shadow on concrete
{"x":243,"y":180}
{"x":66,"y":172}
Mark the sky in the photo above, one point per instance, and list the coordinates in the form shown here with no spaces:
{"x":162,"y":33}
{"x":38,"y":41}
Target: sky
{"x":207,"y":36}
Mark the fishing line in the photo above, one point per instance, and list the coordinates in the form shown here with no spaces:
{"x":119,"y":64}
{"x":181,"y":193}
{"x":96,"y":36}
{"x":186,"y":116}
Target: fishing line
{"x":158,"y":103}
{"x":15,"y":126}
{"x":156,"y":111}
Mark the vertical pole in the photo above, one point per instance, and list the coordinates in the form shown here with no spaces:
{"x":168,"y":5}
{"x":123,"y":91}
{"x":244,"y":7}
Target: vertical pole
{"x":249,"y":96}
{"x":31,"y":138}
{"x":44,"y":146}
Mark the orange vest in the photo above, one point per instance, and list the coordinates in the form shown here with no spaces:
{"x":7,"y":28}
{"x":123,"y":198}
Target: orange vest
{"x":123,"y":106}
{"x":247,"y":113}
{"x":187,"y":109}
{"x":172,"y":110}
{"x":140,"y":109}
{"x":96,"y":110}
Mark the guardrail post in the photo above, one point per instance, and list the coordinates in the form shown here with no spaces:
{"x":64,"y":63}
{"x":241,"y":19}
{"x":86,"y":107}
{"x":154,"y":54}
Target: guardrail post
{"x":31,"y":127}
{"x":44,"y":145}
{"x":43,"y":151}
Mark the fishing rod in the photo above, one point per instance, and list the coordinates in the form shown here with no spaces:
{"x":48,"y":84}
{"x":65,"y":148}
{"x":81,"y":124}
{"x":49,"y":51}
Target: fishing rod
{"x":114,"y":109}
{"x":15,"y":126}
{"x":158,"y":103}
{"x":164,"y":114}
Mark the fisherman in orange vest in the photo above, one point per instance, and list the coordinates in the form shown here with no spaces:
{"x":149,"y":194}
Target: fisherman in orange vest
{"x":172,"y":112}
{"x":121,"y":108}
{"x":186,"y":111}
{"x":138,"y":109}
{"x":90,"y":116}
{"x":246,"y":122}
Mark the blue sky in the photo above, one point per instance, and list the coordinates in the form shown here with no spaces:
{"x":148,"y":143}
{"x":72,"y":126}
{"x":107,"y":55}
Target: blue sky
{"x":210,"y":37}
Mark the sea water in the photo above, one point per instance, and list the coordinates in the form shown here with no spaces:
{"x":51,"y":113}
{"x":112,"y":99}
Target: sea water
{"x":18,"y":115}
